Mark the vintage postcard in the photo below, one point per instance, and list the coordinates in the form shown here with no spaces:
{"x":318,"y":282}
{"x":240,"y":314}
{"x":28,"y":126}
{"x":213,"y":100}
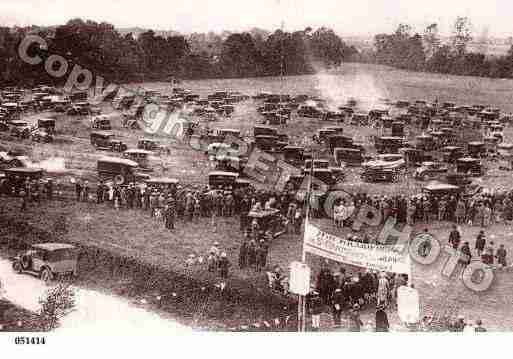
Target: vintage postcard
{"x":270,"y":166}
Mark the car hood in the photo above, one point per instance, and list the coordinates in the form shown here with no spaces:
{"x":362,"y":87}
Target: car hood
{"x":382,"y":164}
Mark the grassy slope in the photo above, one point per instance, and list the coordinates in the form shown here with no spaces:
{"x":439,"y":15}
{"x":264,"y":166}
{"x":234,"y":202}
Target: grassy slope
{"x":134,"y":233}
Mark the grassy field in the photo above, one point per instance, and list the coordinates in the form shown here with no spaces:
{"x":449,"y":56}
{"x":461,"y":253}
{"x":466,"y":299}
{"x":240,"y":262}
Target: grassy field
{"x":133,"y":233}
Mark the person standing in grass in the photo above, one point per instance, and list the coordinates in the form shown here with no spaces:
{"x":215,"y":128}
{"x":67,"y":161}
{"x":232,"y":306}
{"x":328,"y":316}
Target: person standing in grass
{"x":243,"y":253}
{"x":455,"y":237}
{"x":224,"y":265}
{"x":480,"y":243}
{"x":501,"y":256}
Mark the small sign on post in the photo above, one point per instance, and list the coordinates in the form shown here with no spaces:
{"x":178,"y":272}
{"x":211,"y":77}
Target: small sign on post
{"x":299,"y":280}
{"x":408,"y":305}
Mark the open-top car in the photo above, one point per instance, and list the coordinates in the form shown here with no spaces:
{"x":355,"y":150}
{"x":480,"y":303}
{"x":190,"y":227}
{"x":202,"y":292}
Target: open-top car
{"x":269,"y":220}
{"x":48,"y":260}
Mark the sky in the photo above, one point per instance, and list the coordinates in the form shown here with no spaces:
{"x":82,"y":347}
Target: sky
{"x":355,"y":17}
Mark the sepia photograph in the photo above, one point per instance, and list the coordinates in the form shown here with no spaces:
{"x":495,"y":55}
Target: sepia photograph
{"x":180,"y":167}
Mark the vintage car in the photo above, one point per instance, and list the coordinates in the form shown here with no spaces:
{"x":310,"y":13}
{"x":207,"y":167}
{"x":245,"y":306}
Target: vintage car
{"x":150,"y":144}
{"x":388,"y":144}
{"x":360,"y":119}
{"x":387,"y":167}
{"x":294,"y":155}
{"x":414,"y":156}
{"x":388,"y":161}
{"x":340,"y":141}
{"x":10,"y":159}
{"x":451,"y":153}
{"x":223,"y":179}
{"x":270,"y":144}
{"x":20,"y":129}
{"x":162,"y":183}
{"x":46,"y":124}
{"x":470,"y":166}
{"x":317,"y":163}
{"x":430,"y":170}
{"x":437,"y":189}
{"x":139,"y":156}
{"x":79,"y":108}
{"x":425,"y":142}
{"x":101,"y":122}
{"x":310,"y":111}
{"x":264,"y":131}
{"x":48,"y":261}
{"x":120,"y":170}
{"x":349,"y":156}
{"x":40,"y":135}
{"x":105,"y":140}
{"x":269,"y":220}
{"x":476,"y":149}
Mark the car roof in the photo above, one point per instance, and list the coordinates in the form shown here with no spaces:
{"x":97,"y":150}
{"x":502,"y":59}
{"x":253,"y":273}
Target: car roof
{"x":102,"y":133}
{"x":138,"y":150}
{"x":223,"y":173}
{"x":163,"y":180}
{"x":53,"y":246}
{"x":122,"y":161}
{"x":23,"y":170}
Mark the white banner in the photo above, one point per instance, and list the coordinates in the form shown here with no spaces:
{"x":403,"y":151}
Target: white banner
{"x":387,"y":258}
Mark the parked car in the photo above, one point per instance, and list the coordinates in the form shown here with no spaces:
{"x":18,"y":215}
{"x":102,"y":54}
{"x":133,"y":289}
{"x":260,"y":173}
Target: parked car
{"x":101,"y":122}
{"x":349,"y":156}
{"x":430,"y":170}
{"x":470,"y":166}
{"x":120,"y":170}
{"x":41,"y":136}
{"x":20,"y":129}
{"x":46,"y":124}
{"x":139,"y":156}
{"x":48,"y":261}
{"x":105,"y":140}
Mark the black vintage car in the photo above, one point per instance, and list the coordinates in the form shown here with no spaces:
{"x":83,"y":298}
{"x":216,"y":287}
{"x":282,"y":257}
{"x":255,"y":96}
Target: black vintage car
{"x":120,"y":170}
{"x":349,"y":156}
{"x":470,"y":166}
{"x":388,"y":144}
{"x":293,"y":155}
{"x":451,"y":153}
{"x":105,"y":140}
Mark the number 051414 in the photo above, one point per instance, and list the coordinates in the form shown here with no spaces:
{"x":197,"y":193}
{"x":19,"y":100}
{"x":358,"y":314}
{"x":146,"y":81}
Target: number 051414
{"x":30,"y":340}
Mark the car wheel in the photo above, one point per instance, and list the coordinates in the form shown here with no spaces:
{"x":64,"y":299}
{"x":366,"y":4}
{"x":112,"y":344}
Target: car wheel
{"x":17,"y":267}
{"x":46,"y":275}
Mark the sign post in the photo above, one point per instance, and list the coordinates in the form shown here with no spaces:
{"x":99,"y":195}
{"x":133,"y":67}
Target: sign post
{"x":299,"y":283}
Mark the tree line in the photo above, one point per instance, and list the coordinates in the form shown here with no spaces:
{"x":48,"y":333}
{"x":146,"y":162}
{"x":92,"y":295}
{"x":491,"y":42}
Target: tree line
{"x":426,"y":52}
{"x":123,"y":57}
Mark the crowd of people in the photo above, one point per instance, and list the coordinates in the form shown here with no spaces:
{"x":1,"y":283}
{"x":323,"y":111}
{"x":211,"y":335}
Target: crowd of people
{"x":337,"y":292}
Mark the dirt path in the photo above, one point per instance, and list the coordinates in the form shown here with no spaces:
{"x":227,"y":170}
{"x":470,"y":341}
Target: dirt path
{"x":95,"y":311}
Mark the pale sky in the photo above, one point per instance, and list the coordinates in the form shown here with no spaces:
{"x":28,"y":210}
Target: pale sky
{"x":354,"y":17}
